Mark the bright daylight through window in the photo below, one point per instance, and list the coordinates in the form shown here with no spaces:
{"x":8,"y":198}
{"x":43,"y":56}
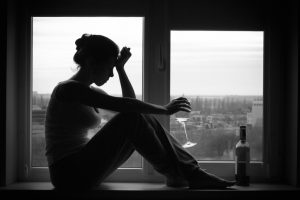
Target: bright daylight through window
{"x":221,"y":73}
{"x":53,"y":49}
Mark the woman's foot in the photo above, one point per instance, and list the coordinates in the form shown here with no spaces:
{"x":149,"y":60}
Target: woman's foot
{"x":204,"y":180}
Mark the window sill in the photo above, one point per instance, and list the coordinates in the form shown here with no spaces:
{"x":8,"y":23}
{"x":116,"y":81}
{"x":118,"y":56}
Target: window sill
{"x":111,"y":190}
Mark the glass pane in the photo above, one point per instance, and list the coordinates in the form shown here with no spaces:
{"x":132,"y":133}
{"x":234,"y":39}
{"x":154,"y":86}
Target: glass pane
{"x":221,"y":73}
{"x":53,"y":50}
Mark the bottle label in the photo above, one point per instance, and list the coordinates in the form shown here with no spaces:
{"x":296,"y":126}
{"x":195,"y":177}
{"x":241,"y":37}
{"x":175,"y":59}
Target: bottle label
{"x":242,"y":168}
{"x":242,"y":161}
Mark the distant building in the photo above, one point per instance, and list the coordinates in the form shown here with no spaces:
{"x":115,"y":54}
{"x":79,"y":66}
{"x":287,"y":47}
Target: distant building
{"x":34,"y":98}
{"x":209,"y":119}
{"x":40,"y":100}
{"x":38,"y":115}
{"x":255,"y":117}
{"x":36,"y":107}
{"x":197,"y":118}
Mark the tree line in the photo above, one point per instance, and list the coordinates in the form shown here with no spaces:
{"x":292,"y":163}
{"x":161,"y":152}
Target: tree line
{"x":225,"y":105}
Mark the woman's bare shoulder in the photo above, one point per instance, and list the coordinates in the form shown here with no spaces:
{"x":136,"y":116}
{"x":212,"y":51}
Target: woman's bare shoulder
{"x":74,"y":91}
{"x":70,"y":89}
{"x":71,"y":86}
{"x":98,"y":89}
{"x":70,"y":82}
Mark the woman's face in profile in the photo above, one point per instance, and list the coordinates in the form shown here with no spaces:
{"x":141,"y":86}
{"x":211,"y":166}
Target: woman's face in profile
{"x":103,"y":71}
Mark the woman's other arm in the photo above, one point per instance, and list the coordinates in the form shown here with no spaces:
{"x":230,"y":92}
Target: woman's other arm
{"x":77,"y":92}
{"x":127,"y":89}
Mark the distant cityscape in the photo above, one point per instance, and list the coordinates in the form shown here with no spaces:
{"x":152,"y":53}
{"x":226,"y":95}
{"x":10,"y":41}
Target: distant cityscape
{"x":213,"y":124}
{"x":208,"y":111}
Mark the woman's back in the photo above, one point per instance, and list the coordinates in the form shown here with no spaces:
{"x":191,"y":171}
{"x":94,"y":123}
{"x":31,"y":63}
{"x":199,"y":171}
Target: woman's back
{"x":66,"y":125}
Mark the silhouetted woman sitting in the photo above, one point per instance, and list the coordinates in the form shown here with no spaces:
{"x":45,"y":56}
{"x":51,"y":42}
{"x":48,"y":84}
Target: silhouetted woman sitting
{"x":76,"y":162}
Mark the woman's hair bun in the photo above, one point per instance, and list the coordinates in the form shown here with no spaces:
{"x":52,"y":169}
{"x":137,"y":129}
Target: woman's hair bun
{"x":81,"y":42}
{"x":96,"y":46}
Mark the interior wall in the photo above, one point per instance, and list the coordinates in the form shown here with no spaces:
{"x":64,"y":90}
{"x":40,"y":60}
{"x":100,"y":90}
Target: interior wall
{"x":283,"y":28}
{"x":11,"y":96}
{"x":217,"y":14}
{"x":3,"y":61}
{"x":87,"y":7}
{"x":291,"y":66}
{"x":209,"y":13}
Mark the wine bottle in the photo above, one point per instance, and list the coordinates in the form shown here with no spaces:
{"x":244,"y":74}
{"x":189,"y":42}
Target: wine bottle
{"x":242,"y":159}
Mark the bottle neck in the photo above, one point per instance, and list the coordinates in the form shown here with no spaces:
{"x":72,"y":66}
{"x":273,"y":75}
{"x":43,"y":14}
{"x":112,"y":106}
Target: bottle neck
{"x":243,"y":137}
{"x":243,"y":133}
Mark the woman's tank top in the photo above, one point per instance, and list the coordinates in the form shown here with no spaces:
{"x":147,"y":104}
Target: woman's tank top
{"x":67,"y":125}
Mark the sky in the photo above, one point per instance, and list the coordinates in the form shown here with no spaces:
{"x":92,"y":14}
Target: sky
{"x":202,"y":62}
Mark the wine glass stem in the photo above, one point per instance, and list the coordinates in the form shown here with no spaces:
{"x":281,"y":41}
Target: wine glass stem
{"x":187,"y":139}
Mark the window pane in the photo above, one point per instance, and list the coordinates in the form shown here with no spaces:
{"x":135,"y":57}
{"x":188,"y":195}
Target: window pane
{"x":53,"y":50}
{"x":221,"y":73}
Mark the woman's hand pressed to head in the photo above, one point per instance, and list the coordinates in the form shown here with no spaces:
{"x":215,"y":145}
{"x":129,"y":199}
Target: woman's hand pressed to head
{"x":127,"y":89}
{"x":123,"y":58}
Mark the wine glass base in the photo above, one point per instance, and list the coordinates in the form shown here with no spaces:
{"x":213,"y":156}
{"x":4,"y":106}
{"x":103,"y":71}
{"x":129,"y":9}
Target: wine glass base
{"x":189,"y":144}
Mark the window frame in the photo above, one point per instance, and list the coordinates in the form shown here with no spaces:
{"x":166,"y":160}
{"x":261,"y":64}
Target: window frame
{"x":259,"y":171}
{"x":25,"y":171}
{"x":39,"y":173}
{"x":156,"y":71}
{"x":256,"y":165}
{"x":225,"y":169}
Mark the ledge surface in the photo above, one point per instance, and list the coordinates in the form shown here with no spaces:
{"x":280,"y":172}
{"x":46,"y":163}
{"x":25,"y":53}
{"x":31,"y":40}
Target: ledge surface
{"x":45,"y":190}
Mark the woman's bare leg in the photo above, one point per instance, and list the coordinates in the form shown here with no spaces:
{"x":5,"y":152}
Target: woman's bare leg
{"x":117,"y":140}
{"x":123,"y":134}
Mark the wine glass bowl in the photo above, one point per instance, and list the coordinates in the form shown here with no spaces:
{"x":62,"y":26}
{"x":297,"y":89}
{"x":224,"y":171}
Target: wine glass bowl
{"x":181,"y":119}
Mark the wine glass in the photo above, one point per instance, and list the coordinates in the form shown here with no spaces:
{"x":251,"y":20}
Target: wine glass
{"x":188,"y":143}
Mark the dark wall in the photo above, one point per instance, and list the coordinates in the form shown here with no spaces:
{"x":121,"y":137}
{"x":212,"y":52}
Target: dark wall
{"x":87,"y":7}
{"x":290,"y":28}
{"x":278,"y":18}
{"x":11,"y":107}
{"x":3,"y":24}
{"x":275,"y":90}
{"x":217,"y":14}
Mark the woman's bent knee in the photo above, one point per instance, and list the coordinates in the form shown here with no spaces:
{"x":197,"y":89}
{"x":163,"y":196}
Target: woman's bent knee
{"x":130,"y":115}
{"x":137,"y":117}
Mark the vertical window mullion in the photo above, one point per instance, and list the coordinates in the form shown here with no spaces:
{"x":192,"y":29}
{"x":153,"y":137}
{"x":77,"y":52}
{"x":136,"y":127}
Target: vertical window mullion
{"x":156,"y":66}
